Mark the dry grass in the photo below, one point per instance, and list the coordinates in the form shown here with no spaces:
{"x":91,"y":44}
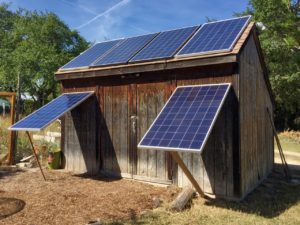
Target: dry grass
{"x":76,"y":199}
{"x":4,"y":124}
{"x":274,"y":202}
{"x":293,"y":136}
{"x":290,"y":141}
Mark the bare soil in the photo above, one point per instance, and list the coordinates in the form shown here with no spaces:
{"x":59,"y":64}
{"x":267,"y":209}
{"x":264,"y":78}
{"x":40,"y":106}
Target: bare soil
{"x":73,"y":199}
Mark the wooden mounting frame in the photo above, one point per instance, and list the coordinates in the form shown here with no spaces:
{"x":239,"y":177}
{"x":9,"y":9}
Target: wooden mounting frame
{"x":12,"y":100}
{"x":35,"y":155}
{"x":186,"y":171}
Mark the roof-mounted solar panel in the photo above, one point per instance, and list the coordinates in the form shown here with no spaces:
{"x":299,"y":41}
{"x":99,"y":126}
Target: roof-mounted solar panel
{"x":51,"y":111}
{"x":187,"y":118}
{"x":125,"y":51}
{"x":213,"y":37}
{"x":165,"y":45}
{"x":85,"y":59}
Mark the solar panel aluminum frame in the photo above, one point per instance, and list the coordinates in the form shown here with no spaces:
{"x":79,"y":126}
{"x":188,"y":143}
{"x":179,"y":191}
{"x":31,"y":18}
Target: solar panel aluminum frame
{"x":207,"y":134}
{"x":214,"y":51}
{"x":90,"y":65}
{"x":173,"y":54}
{"x":60,"y":115}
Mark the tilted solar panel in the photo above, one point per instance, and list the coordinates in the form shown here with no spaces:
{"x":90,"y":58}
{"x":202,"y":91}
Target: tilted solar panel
{"x":215,"y":37}
{"x":186,"y":120}
{"x":51,"y":111}
{"x":165,"y":45}
{"x":86,"y":58}
{"x":125,"y":51}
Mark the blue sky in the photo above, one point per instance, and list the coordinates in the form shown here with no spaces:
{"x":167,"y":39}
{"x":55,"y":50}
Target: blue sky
{"x":98,"y":20}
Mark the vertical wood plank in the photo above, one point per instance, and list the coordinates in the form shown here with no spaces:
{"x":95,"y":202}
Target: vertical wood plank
{"x":142,"y":113}
{"x":108,"y":149}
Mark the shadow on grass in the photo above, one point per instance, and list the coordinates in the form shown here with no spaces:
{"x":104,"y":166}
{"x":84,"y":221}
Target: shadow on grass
{"x":99,"y":177}
{"x":269,"y":200}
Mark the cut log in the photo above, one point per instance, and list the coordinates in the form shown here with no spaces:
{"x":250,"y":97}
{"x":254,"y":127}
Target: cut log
{"x":183,"y":200}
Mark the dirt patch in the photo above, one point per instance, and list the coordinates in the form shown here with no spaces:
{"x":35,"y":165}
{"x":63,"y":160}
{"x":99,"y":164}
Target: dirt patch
{"x":71,"y":199}
{"x":10,"y":206}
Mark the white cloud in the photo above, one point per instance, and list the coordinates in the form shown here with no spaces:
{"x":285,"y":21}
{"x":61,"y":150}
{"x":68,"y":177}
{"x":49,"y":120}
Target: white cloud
{"x":80,"y":6}
{"x":106,"y":13}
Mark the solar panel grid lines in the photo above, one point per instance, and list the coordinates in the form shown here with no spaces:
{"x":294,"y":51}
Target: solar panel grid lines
{"x":187,"y":118}
{"x":125,"y":51}
{"x":214,"y":37}
{"x":51,"y":111}
{"x":165,"y":45}
{"x":86,"y":58}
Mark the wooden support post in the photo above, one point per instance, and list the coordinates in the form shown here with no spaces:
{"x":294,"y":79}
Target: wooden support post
{"x":36,"y":157}
{"x":11,"y":142}
{"x":11,"y":154}
{"x":284,"y":163}
{"x":186,"y":171}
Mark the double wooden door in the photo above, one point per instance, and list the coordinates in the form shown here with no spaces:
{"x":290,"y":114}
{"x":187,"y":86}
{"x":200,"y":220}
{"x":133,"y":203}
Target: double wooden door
{"x":127,"y":111}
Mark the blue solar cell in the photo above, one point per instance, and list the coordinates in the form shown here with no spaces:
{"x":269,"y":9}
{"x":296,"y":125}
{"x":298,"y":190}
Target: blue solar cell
{"x":187,"y":118}
{"x":165,"y":45}
{"x":215,"y":37}
{"x":125,"y":51}
{"x":50,"y":112}
{"x":90,"y":55}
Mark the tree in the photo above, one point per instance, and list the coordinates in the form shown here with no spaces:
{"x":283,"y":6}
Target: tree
{"x":280,"y":40}
{"x":34,"y":45}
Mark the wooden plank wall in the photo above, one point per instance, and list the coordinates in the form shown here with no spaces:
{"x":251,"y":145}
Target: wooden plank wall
{"x":80,"y":151}
{"x":80,"y":142}
{"x":151,"y":165}
{"x":256,"y":136}
{"x":119,"y":99}
{"x":114,"y":130}
{"x":214,"y":168}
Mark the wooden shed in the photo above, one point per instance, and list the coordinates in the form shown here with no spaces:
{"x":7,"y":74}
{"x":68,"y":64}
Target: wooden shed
{"x":101,"y":135}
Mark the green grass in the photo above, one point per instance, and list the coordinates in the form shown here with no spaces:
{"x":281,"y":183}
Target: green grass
{"x":275,"y":203}
{"x":290,"y":141}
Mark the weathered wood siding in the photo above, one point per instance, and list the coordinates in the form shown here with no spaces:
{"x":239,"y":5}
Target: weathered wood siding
{"x":80,"y":145}
{"x":214,"y":168}
{"x":152,"y":165}
{"x":256,"y":135}
{"x":126,"y":109}
{"x":114,"y":130}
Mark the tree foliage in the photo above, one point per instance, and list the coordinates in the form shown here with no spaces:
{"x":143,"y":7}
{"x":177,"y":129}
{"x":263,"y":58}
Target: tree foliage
{"x":280,"y":39}
{"x":34,"y":45}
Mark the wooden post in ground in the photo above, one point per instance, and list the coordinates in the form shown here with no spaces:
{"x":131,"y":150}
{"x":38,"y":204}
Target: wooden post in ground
{"x":36,"y":157}
{"x":12,"y":148}
{"x":11,"y":142}
{"x":186,"y":171}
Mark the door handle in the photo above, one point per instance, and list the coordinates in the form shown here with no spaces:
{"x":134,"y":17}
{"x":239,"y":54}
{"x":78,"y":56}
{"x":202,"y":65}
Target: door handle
{"x":133,"y":122}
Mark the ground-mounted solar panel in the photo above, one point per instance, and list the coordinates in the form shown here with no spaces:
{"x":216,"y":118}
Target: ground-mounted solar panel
{"x":165,"y":45}
{"x":187,"y":118}
{"x":51,"y":111}
{"x":86,"y":58}
{"x":219,"y":36}
{"x":125,"y":51}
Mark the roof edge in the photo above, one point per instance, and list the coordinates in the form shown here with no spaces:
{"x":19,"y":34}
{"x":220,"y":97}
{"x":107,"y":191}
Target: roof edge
{"x":147,"y":67}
